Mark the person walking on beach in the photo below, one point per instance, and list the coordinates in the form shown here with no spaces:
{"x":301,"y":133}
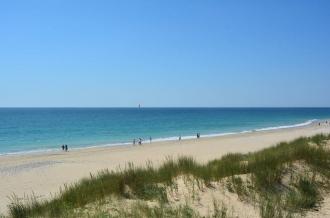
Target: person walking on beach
{"x":134,"y":141}
{"x":66,"y":147}
{"x":180,"y":138}
{"x":198,"y":135}
{"x":63,"y":147}
{"x":140,"y":141}
{"x":150,"y":139}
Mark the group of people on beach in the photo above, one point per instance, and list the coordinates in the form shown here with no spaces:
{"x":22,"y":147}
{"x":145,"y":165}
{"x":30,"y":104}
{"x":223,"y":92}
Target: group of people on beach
{"x":139,"y":141}
{"x":198,"y":135}
{"x":64,"y":147}
{"x":324,"y":123}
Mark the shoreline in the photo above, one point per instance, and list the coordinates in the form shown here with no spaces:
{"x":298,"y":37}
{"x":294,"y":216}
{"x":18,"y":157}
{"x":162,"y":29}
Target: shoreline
{"x":165,"y":139}
{"x":44,"y":174}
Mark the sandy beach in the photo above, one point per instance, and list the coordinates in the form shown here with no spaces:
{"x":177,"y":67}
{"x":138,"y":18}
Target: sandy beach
{"x":44,"y":174}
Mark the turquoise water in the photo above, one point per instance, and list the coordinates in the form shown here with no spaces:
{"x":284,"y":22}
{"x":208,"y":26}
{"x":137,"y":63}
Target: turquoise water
{"x":41,"y":129}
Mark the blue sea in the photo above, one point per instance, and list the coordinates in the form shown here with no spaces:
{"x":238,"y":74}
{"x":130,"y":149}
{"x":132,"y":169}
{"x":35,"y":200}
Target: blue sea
{"x":25,"y":130}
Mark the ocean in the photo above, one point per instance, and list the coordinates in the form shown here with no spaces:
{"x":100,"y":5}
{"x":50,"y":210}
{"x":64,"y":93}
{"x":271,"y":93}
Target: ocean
{"x":24,"y":130}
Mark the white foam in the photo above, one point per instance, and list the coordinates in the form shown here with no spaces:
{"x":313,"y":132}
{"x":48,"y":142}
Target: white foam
{"x":37,"y":151}
{"x":288,"y":126}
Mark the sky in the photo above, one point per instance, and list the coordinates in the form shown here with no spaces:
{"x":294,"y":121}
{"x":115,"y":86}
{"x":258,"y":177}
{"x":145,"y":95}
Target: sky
{"x":169,"y":53}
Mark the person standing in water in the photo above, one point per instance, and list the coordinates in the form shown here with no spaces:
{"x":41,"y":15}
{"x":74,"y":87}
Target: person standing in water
{"x":150,"y":139}
{"x":66,"y":147}
{"x":134,"y":141}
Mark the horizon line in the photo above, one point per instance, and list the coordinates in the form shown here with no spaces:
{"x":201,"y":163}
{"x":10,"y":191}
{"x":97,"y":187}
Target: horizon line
{"x":152,"y":107}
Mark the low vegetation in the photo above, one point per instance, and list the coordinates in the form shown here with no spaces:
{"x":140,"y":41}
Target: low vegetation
{"x":286,"y":180}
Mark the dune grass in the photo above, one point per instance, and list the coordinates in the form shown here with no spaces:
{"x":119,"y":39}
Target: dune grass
{"x":266,"y":168}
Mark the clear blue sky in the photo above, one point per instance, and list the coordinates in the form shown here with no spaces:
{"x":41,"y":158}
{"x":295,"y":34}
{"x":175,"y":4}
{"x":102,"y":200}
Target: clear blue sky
{"x":165,"y":53}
